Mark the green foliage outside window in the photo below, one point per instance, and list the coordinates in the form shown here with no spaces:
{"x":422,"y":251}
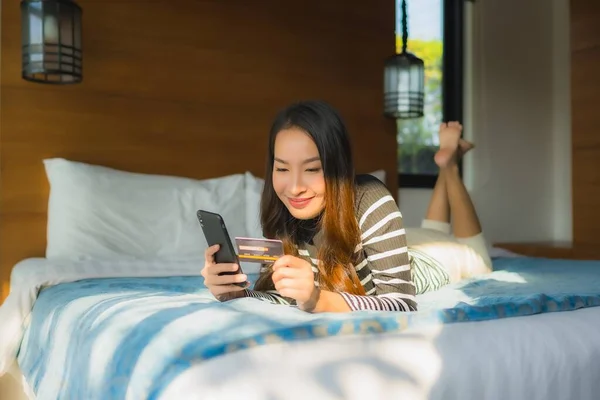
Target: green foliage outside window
{"x":418,"y":138}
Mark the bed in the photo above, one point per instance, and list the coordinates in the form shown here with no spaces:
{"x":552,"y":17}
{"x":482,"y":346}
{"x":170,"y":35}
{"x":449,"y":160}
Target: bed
{"x":117,"y":310}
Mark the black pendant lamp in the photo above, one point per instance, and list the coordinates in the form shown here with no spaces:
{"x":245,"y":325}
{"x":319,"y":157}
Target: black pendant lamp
{"x":404,"y":81}
{"x":51,"y":39}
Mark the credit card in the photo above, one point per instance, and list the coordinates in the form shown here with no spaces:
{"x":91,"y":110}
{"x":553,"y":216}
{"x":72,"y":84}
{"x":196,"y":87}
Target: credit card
{"x":258,"y":250}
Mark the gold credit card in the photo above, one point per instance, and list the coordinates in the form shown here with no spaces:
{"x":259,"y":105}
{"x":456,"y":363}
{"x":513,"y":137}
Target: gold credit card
{"x":258,"y":250}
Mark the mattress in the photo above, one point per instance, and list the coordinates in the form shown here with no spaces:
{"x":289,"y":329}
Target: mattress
{"x":147,"y":330}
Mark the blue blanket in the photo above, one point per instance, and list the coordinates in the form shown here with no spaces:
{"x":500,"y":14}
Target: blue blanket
{"x":107,"y":336}
{"x":517,"y":287}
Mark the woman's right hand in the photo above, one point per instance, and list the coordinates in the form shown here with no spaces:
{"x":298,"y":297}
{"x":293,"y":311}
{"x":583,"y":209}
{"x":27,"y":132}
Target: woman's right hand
{"x":222,"y":286}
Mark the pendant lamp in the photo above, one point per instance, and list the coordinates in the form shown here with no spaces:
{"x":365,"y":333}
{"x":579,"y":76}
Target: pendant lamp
{"x":51,"y":41}
{"x":404,"y":80}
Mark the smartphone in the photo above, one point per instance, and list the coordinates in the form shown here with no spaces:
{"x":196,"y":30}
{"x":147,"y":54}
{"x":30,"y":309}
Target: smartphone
{"x":215,"y":232}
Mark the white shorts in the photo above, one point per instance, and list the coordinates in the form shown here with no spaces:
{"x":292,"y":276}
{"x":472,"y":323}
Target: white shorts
{"x":461,"y":257}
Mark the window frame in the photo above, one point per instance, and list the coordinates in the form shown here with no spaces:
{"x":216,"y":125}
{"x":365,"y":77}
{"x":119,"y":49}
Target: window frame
{"x":452,"y":82}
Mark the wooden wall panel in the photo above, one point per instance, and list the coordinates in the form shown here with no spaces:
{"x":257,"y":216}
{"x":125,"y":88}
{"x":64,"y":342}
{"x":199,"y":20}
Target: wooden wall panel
{"x":585,"y":92}
{"x":186,"y":88}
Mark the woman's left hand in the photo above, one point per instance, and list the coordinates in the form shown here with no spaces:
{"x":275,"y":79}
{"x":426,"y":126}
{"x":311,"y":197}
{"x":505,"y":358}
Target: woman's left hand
{"x":294,"y":278}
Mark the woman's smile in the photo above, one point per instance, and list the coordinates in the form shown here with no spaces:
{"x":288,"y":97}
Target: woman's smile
{"x":299,"y":203}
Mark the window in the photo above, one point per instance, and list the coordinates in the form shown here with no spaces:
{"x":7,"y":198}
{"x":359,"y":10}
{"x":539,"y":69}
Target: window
{"x":435,"y":34}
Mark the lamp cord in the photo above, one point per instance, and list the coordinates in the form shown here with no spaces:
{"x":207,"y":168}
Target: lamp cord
{"x":404,"y":27}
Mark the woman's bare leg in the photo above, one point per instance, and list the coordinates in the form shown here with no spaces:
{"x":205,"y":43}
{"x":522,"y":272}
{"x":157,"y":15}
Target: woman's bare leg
{"x":465,"y":222}
{"x":439,"y":205}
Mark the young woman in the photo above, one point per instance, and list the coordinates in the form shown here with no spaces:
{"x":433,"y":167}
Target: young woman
{"x":344,"y":240}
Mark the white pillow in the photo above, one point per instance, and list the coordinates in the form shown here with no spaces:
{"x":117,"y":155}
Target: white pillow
{"x":96,"y":212}
{"x":254,"y":187}
{"x":379,"y":174}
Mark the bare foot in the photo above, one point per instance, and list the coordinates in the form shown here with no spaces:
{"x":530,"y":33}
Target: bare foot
{"x":449,"y":139}
{"x":464,"y":147}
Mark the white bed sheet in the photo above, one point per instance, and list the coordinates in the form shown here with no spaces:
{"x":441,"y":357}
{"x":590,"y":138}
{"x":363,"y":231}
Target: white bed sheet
{"x":553,"y":356}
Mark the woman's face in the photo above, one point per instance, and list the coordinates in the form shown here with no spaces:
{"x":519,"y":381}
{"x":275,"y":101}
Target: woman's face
{"x":298,"y":176}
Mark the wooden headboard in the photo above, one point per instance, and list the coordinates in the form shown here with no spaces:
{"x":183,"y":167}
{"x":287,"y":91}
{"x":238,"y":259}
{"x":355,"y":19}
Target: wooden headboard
{"x":186,"y":88}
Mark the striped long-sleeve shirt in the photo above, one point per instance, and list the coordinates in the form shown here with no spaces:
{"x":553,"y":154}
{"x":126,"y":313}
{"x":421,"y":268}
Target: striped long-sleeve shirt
{"x":383,"y":265}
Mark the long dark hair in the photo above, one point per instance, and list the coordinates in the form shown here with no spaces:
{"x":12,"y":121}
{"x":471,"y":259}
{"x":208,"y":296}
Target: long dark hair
{"x":341,"y":233}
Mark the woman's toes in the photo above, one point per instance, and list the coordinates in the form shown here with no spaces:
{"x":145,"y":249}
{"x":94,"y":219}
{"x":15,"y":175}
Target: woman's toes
{"x":454,"y":124}
{"x":465,"y":145}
